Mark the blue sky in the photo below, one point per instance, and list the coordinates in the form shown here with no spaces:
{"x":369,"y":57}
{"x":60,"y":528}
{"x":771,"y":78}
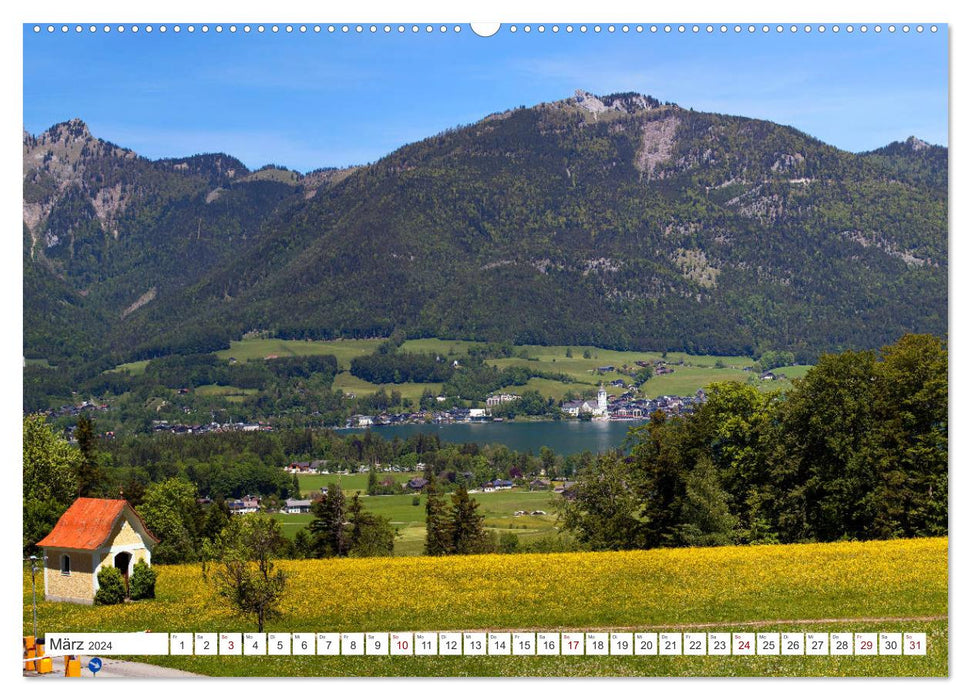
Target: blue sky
{"x":312,"y":100}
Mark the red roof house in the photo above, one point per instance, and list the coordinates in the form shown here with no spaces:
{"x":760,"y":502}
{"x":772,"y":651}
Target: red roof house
{"x":92,"y":533}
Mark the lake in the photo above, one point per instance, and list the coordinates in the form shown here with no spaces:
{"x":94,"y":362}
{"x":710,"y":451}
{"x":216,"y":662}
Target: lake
{"x":564,"y":437}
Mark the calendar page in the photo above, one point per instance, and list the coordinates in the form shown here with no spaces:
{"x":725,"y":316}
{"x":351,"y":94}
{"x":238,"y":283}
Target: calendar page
{"x":516,"y":349}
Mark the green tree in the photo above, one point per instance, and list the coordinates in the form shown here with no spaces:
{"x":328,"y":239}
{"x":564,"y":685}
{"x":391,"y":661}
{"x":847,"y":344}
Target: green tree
{"x":372,"y":482}
{"x":643,"y":374}
{"x":303,"y":544}
{"x":90,"y":477}
{"x":706,"y":520}
{"x":214,"y":520}
{"x":329,"y":527}
{"x":549,"y":461}
{"x":602,"y":507}
{"x":509,"y":543}
{"x":908,"y":442}
{"x":247,"y":578}
{"x":737,"y":430}
{"x":823,"y":477}
{"x":657,"y":477}
{"x":468,"y":534}
{"x":50,"y":467}
{"x":438,"y":526}
{"x":50,"y":462}
{"x":775,"y":358}
{"x":370,"y":535}
{"x":171,"y":513}
{"x":857,"y":449}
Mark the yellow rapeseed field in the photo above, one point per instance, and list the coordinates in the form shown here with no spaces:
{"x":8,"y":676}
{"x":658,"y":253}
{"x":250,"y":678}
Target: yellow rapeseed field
{"x":900,"y":578}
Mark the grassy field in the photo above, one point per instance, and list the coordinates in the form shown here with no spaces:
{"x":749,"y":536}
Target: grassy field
{"x":498,"y":508}
{"x":133,"y":368}
{"x":349,"y":482}
{"x":454,"y":349}
{"x":261,"y":348}
{"x":37,"y":362}
{"x":233,"y":394}
{"x":349,"y":384}
{"x":842,"y":587}
{"x":550,"y":387}
{"x":794,"y":371}
{"x":687,"y":380}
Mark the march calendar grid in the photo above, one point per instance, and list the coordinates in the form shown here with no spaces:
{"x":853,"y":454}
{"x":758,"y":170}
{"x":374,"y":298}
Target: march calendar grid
{"x":527,"y":643}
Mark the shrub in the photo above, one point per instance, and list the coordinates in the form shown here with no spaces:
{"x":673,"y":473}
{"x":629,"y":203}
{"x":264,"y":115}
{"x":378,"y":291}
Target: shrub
{"x":508,"y":543}
{"x":111,"y":587}
{"x":141,"y":585}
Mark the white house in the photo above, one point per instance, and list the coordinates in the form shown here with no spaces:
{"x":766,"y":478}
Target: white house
{"x":497,"y":399}
{"x":572,"y":407}
{"x":296,"y":506}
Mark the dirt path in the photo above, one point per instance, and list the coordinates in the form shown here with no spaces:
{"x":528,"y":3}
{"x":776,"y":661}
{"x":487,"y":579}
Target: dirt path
{"x":115,"y":668}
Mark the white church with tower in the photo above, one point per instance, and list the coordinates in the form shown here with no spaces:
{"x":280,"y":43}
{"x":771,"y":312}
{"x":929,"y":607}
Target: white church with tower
{"x":598,"y":409}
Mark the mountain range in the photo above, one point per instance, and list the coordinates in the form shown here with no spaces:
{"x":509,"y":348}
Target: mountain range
{"x":618,"y":221}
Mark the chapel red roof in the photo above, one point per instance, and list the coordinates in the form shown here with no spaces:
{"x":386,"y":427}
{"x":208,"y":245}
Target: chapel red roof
{"x":88,"y":523}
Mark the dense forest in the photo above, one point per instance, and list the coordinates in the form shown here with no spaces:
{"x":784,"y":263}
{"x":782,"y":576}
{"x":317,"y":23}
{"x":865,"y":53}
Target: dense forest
{"x":857,"y":450}
{"x":639,"y":226}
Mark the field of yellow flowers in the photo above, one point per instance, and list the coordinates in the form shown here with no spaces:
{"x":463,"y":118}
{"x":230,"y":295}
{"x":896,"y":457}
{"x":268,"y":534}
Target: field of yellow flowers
{"x":768,"y":585}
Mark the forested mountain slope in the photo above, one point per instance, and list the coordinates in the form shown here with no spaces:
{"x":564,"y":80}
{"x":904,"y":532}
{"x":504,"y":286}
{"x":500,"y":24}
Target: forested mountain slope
{"x":617,"y":221}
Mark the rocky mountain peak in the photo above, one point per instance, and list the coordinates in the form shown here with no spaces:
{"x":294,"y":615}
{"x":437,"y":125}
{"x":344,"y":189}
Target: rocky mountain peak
{"x":67,"y":132}
{"x":916,"y":144}
{"x":629,"y":102}
{"x":57,"y":162}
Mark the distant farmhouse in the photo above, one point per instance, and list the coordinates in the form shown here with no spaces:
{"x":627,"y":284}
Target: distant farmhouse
{"x":314,"y":467}
{"x":92,"y":533}
{"x":294,"y":505}
{"x":244,"y":505}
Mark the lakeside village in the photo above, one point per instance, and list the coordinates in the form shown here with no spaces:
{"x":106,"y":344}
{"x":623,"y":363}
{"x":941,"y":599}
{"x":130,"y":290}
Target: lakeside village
{"x":604,"y":408}
{"x":623,"y":407}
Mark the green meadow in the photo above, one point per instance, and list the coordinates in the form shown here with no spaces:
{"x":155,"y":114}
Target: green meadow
{"x":233,"y":394}
{"x":263,"y":348}
{"x":133,"y":368}
{"x":349,"y":483}
{"x":498,"y":508}
{"x":349,"y":384}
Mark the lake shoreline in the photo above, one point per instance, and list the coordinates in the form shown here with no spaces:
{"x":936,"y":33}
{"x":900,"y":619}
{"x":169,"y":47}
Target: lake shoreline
{"x":564,"y":437}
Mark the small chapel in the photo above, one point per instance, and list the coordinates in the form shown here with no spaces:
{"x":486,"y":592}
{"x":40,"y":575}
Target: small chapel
{"x":92,"y":533}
